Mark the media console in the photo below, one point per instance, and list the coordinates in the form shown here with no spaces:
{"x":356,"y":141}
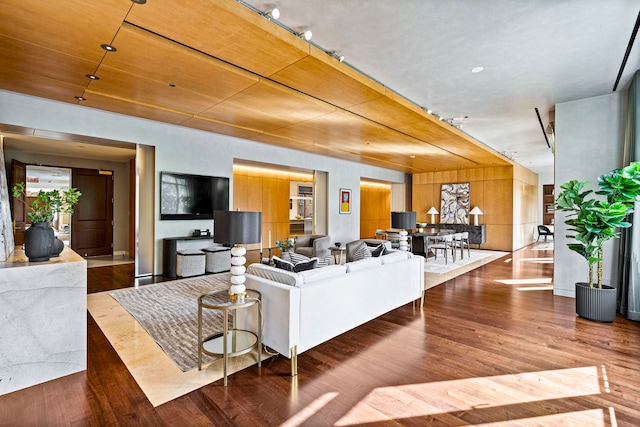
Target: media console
{"x":170,"y":253}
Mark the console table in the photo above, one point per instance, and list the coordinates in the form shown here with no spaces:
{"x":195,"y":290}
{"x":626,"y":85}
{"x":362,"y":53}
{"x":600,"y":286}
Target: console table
{"x":170,"y":253}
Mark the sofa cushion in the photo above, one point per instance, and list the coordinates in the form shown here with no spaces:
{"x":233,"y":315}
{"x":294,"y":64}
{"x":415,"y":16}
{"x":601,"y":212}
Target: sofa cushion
{"x":296,"y":264}
{"x":275,"y":274}
{"x":362,"y":252}
{"x":363,"y":264}
{"x":311,"y":276}
{"x":296,"y":257}
{"x":305,"y":265}
{"x":395,"y":256}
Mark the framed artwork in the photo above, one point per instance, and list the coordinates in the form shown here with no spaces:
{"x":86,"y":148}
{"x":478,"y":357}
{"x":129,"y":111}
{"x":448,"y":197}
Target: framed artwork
{"x":345,"y":201}
{"x":454,"y":207}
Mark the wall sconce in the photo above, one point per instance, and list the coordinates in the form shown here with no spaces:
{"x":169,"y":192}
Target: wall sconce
{"x":433,"y":211}
{"x":475,"y":212}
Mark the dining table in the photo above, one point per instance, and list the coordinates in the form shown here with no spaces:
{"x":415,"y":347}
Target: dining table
{"x":418,"y":239}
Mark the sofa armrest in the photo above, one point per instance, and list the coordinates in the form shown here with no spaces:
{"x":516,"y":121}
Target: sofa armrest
{"x":321,"y":246}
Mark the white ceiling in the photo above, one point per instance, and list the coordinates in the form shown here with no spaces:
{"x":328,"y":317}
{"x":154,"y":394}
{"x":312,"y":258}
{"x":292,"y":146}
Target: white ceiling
{"x":535,"y":53}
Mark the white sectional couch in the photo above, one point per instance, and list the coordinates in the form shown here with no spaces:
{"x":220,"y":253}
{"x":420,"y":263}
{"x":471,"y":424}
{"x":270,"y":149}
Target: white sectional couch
{"x":302,"y":310}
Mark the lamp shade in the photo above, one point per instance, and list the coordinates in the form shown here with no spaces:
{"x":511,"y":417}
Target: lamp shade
{"x":433,"y":211}
{"x":476,"y":211}
{"x":237,"y":227}
{"x":403,"y":220}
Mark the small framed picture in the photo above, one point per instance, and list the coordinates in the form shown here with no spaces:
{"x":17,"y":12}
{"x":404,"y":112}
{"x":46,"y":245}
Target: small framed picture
{"x":345,"y":201}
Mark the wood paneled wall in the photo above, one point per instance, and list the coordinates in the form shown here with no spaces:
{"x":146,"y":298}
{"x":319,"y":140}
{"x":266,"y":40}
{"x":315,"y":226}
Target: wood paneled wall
{"x":375,"y":208}
{"x":525,"y":205}
{"x":267,"y":191}
{"x":491,"y":189}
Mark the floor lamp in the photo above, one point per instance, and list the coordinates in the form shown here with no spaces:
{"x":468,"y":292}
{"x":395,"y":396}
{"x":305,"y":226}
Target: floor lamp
{"x":403,"y":221}
{"x":234,"y":229}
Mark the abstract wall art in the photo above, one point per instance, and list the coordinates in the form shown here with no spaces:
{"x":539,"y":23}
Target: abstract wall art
{"x":454,"y":208}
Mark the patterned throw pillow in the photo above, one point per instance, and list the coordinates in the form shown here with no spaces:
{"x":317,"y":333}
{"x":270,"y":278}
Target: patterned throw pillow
{"x":323,"y":262}
{"x":362,"y":252}
{"x":305,"y":265}
{"x":379,"y":251}
{"x":296,"y":257}
{"x":282,"y":264}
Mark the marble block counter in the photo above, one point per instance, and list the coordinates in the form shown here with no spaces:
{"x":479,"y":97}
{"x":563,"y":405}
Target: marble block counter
{"x":43,"y":319}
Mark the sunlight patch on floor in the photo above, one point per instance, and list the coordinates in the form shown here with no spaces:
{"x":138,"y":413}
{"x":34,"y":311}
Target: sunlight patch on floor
{"x":537,"y":260}
{"x":587,"y":418}
{"x":422,"y":400}
{"x":536,"y":288}
{"x":302,"y":416}
{"x":536,"y":281}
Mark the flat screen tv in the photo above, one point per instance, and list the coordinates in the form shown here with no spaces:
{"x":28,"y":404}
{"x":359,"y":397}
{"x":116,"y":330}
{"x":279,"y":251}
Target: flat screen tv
{"x":186,"y":196}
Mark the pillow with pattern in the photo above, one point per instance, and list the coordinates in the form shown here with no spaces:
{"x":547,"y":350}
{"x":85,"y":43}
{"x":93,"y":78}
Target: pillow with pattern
{"x":305,"y":265}
{"x":379,"y":250}
{"x":362,"y":252}
{"x":282,"y":264}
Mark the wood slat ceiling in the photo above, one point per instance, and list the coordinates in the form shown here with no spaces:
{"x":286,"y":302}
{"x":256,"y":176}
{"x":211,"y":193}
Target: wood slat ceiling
{"x":220,"y":67}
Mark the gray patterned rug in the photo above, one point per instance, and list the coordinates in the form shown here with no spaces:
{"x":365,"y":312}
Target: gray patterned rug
{"x":169,"y":313}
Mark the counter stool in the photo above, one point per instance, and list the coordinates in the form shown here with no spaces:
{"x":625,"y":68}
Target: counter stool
{"x":190,"y":262}
{"x":218,"y":259}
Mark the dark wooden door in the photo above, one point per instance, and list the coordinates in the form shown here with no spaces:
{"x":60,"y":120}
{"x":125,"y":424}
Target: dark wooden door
{"x":92,"y":220}
{"x":18,"y":210}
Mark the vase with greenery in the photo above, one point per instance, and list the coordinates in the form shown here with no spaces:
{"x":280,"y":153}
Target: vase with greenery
{"x":592,"y":222}
{"x":285,"y":245}
{"x":39,"y":240}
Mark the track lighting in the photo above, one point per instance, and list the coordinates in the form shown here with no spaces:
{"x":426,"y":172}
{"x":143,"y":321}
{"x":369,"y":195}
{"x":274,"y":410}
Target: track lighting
{"x":271,"y":13}
{"x":305,"y":34}
{"x":336,"y":55}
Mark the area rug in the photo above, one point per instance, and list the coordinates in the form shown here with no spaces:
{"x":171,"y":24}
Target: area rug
{"x":169,"y":314}
{"x":437,"y":272}
{"x":157,"y":375}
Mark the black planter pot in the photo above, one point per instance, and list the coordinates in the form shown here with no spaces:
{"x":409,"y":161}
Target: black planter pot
{"x":598,"y":304}
{"x":57,"y":247}
{"x":38,"y":242}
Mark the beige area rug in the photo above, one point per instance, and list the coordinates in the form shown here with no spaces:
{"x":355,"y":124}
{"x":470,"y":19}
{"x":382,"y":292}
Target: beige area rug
{"x":158,"y":376}
{"x":437,"y":272}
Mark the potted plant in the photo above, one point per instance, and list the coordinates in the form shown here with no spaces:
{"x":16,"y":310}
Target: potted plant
{"x":285,"y":245}
{"x":591,"y":223}
{"x":39,"y":240}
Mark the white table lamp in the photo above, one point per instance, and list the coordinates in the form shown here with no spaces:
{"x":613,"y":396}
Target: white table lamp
{"x":475,"y":212}
{"x":433,"y":211}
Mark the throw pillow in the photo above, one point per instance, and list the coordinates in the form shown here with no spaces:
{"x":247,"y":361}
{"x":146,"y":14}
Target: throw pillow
{"x":305,"y":265}
{"x":379,"y":251}
{"x":296,"y":257}
{"x":362,"y":252}
{"x":282,"y":264}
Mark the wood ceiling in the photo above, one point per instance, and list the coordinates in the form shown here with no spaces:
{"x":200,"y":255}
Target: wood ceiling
{"x":220,"y":67}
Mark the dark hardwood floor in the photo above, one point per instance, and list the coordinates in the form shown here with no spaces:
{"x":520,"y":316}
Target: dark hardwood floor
{"x":481,"y":351}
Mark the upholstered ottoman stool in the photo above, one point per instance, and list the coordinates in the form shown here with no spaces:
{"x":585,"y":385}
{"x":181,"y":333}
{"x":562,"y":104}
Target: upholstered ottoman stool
{"x":190,"y":262}
{"x":218,"y":259}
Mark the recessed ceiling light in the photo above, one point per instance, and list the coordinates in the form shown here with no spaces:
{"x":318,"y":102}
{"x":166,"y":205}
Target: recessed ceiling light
{"x":412,"y":157}
{"x":80,"y":98}
{"x":108,"y":47}
{"x":477,"y":69}
{"x":139,"y":1}
{"x":172,"y":85}
{"x":93,"y":77}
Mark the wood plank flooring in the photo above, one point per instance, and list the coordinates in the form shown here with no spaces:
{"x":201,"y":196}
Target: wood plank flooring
{"x":481,"y":352}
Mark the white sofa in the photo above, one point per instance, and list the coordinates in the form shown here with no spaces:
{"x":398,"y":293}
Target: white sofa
{"x":302,"y":310}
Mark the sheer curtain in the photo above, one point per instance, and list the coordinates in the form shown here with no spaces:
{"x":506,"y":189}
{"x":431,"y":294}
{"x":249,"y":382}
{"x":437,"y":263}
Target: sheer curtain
{"x":629,"y":257}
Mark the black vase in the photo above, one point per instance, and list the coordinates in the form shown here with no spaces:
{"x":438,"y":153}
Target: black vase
{"x":597,"y":304}
{"x":58,"y":246}
{"x":38,"y":242}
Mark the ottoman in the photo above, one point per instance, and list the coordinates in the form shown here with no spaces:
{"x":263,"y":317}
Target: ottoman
{"x":190,"y":262}
{"x":218,"y":259}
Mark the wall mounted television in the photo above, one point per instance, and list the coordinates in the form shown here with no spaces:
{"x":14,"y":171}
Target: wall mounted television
{"x":186,"y":196}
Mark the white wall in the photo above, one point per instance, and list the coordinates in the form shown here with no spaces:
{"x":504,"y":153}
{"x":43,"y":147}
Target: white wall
{"x":180,"y":149}
{"x":589,"y":138}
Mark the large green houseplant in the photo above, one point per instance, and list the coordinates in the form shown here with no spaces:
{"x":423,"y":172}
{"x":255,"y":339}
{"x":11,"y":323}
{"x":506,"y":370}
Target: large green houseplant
{"x":591,"y":222}
{"x":39,"y":240}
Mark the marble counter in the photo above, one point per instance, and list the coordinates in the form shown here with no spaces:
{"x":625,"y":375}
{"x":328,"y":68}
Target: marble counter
{"x":43,"y":319}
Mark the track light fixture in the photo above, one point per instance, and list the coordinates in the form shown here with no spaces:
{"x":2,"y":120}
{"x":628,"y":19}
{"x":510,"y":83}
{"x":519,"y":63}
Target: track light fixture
{"x":336,"y":55}
{"x":271,"y":13}
{"x":305,"y":34}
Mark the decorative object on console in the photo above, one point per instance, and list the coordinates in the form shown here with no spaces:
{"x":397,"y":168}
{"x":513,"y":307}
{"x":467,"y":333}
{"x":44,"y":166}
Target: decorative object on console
{"x":285,"y":245}
{"x":39,"y":239}
{"x":475,"y":212}
{"x":454,"y":206}
{"x":403,"y":221}
{"x":235,"y":228}
{"x":433,"y":211}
